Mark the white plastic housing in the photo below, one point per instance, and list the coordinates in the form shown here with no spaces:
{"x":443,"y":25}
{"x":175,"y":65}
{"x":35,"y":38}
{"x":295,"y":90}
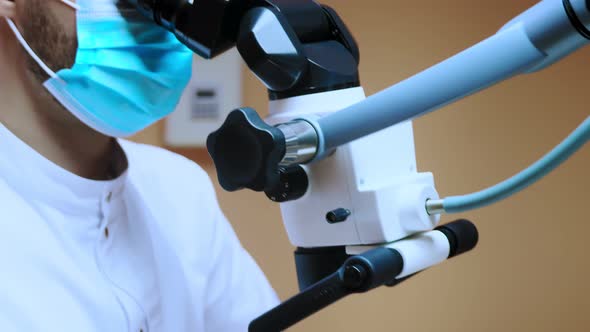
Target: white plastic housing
{"x":374,"y":177}
{"x":419,"y":251}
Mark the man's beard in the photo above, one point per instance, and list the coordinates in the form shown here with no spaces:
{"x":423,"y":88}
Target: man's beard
{"x":48,"y":39}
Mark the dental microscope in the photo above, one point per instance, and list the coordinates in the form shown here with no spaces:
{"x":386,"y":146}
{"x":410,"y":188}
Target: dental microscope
{"x":341,"y":165}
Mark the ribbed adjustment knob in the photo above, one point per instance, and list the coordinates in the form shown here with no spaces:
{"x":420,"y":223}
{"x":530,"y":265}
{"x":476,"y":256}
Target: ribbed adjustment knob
{"x":246,"y":151}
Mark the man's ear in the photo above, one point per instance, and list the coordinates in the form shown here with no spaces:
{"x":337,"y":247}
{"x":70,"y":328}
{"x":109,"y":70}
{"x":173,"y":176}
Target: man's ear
{"x":7,"y":8}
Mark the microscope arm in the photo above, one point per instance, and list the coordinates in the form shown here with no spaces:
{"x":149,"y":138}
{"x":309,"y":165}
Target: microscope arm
{"x":532,"y":41}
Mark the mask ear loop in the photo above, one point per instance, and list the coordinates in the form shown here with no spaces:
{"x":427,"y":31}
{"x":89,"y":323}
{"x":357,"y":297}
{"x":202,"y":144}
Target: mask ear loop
{"x":71,"y":4}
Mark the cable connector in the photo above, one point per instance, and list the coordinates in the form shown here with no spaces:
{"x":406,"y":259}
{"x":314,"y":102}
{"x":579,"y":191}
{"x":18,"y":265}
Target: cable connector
{"x":435,"y":206}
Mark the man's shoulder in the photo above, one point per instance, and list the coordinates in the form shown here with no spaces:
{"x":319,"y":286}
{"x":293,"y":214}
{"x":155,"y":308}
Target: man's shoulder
{"x":158,"y":162}
{"x":174,"y":187}
{"x":162,"y":172}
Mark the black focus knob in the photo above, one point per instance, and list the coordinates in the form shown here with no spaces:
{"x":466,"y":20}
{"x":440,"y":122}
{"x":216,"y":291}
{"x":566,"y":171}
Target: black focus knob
{"x":293,"y":184}
{"x":246,"y":151}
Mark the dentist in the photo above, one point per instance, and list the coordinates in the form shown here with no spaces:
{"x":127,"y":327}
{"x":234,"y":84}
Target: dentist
{"x":99,"y":233}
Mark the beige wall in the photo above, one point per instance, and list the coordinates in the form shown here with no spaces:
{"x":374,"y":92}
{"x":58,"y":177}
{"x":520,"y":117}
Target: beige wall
{"x":531,"y":269}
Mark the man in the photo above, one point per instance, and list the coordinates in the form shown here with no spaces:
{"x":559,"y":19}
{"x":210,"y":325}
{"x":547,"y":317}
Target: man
{"x":98,"y":233}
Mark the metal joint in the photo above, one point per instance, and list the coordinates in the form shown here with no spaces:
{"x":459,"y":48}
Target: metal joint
{"x":435,"y":206}
{"x":301,"y":142}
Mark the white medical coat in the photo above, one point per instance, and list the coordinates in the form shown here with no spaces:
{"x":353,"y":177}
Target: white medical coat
{"x":148,"y":251}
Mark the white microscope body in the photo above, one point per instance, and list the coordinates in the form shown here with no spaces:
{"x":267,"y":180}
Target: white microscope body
{"x":375,"y":178}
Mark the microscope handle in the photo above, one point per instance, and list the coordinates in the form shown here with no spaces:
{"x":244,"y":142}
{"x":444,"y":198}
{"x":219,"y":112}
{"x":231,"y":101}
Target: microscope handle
{"x":362,"y":273}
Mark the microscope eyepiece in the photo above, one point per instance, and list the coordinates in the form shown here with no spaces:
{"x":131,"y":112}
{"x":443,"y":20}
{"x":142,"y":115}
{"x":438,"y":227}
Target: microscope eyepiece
{"x":207,"y":27}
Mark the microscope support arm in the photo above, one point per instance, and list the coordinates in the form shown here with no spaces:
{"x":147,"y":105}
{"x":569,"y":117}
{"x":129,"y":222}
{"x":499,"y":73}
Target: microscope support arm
{"x":537,"y":38}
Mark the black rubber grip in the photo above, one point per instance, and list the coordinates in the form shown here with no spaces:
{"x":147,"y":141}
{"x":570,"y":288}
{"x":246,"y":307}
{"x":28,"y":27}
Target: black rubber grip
{"x":462,"y":235}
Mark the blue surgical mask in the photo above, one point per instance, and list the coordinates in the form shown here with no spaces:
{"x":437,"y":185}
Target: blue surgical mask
{"x":128,"y":72}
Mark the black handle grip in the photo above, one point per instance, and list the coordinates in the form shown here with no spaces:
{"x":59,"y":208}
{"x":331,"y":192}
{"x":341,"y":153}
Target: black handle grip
{"x":358,"y":274}
{"x":462,"y":235}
